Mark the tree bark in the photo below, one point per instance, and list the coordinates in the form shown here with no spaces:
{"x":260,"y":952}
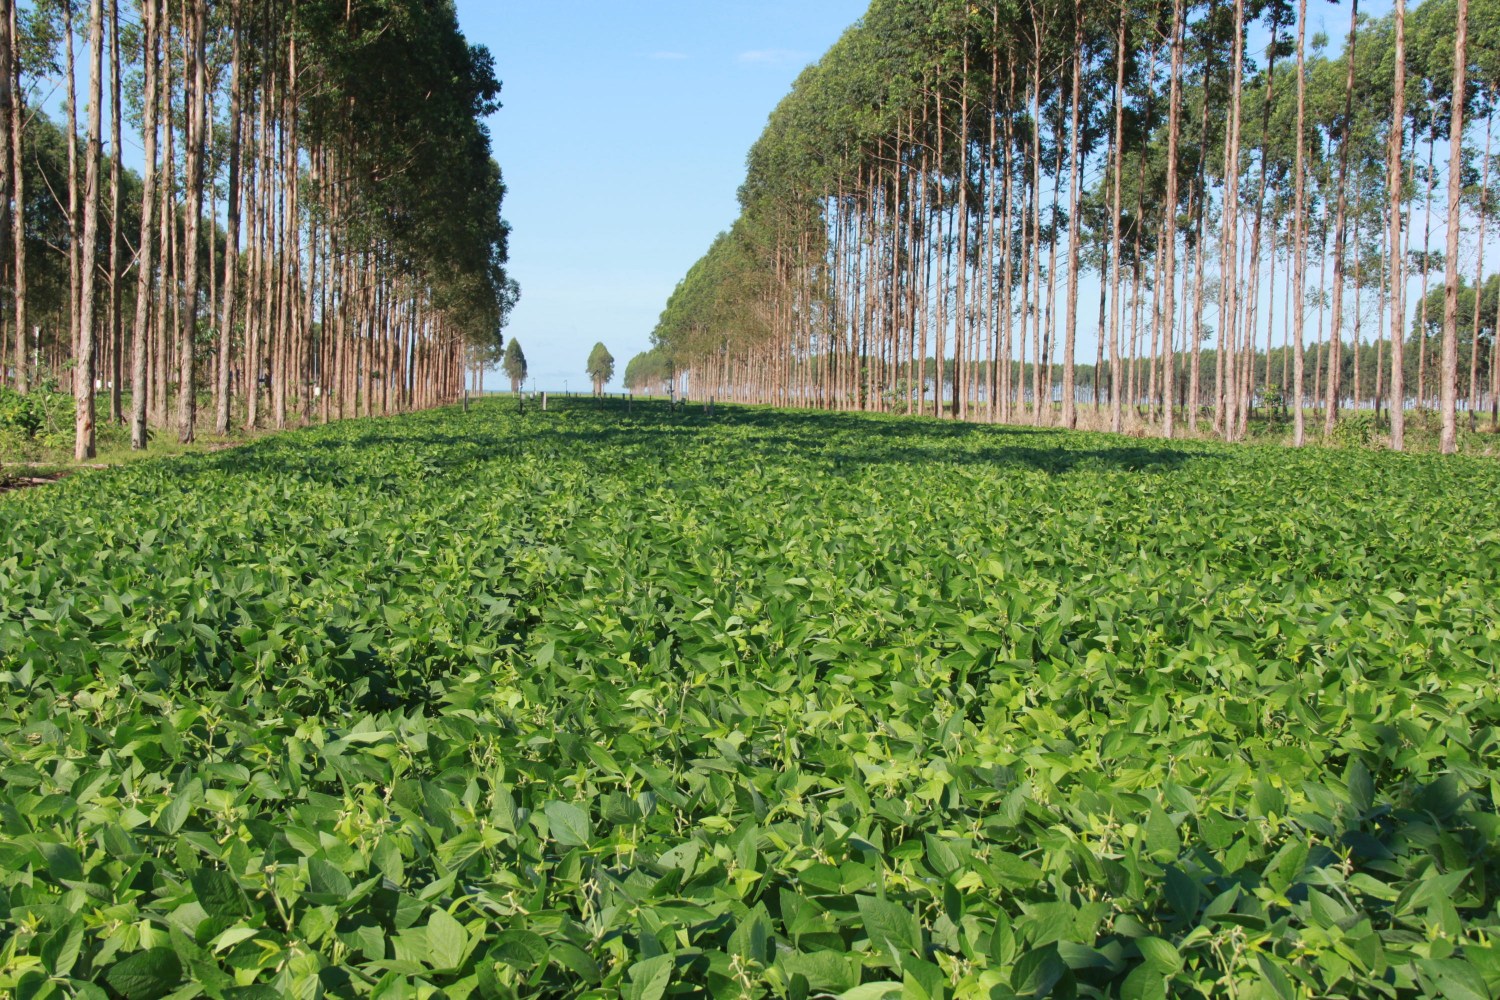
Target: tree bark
{"x":1169,"y":247}
{"x":141,"y":329}
{"x":1070,"y":333}
{"x":1449,"y":437}
{"x":1299,"y":237}
{"x":18,"y":184}
{"x":1335,"y":341}
{"x":232,"y":227}
{"x":116,"y":323}
{"x":83,"y":385}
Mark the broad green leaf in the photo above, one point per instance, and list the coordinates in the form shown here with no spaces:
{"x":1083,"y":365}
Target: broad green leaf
{"x":648,"y":979}
{"x":146,"y":975}
{"x":569,"y":824}
{"x":890,"y":925}
{"x":447,"y":940}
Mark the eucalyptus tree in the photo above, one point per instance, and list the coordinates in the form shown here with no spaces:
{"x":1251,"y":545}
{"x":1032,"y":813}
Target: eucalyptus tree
{"x":601,"y":367}
{"x":904,"y":228}
{"x":515,"y":365}
{"x":8,"y":171}
{"x":371,"y":258}
{"x":1395,"y":181}
{"x":84,"y":360}
{"x":151,"y":17}
{"x":1449,"y":369}
{"x":1299,"y":236}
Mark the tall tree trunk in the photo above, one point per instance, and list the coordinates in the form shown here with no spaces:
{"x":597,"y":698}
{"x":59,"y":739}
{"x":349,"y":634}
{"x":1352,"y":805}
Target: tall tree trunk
{"x":1299,"y":237}
{"x":9,"y":111}
{"x":116,"y":323}
{"x":1335,"y":341}
{"x":1229,"y":300}
{"x":1070,"y":334}
{"x":232,"y":225}
{"x":1449,"y":438}
{"x":167,"y":221}
{"x":75,"y":233}
{"x":83,"y":385}
{"x":1482,"y":210}
{"x":18,"y":184}
{"x":1169,"y":242}
{"x":141,"y":331}
{"x":195,"y":86}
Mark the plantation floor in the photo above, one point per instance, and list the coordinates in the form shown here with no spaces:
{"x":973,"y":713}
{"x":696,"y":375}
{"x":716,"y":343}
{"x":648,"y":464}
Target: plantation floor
{"x":772,"y":704}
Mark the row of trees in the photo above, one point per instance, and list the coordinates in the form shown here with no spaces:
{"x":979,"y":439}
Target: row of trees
{"x":938,"y":193}
{"x":306,"y":238}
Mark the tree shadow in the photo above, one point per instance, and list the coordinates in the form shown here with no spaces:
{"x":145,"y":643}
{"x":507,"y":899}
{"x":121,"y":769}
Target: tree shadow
{"x":428,"y":445}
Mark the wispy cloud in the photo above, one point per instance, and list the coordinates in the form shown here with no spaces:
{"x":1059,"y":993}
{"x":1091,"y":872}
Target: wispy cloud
{"x":668,"y":56}
{"x":771,"y":56}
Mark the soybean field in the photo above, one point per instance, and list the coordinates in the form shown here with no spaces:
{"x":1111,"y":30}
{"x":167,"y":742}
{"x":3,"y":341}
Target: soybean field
{"x":652,"y":703}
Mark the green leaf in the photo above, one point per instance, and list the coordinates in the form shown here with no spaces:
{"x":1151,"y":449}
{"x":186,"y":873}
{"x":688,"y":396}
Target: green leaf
{"x":649,"y":979}
{"x":569,"y":824}
{"x":1361,"y":786}
{"x":387,"y":857}
{"x":889,"y":925}
{"x":1144,"y":983}
{"x":921,"y":980}
{"x":1160,"y":955}
{"x":826,"y":971}
{"x":218,"y":893}
{"x":1161,"y":836}
{"x":1037,"y":971}
{"x":177,"y":812}
{"x":146,"y":975}
{"x":62,"y":861}
{"x":447,"y":940}
{"x":326,"y":880}
{"x":521,"y":950}
{"x":1454,"y":979}
{"x":873,"y":991}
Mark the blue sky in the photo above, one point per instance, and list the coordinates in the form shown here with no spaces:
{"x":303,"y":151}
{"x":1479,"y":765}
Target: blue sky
{"x":623,"y":141}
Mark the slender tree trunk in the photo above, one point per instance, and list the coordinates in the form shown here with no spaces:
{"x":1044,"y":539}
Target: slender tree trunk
{"x":1169,"y":242}
{"x":1482,"y":210}
{"x":75,"y":232}
{"x":1036,"y":234}
{"x":232,"y":236}
{"x":195,"y":86}
{"x":18,"y":185}
{"x":1229,"y":301}
{"x":167,"y":217}
{"x":140,"y":334}
{"x":116,"y":323}
{"x":1335,"y":343}
{"x":83,"y":447}
{"x":1299,"y":238}
{"x":9,"y":111}
{"x":1070,"y":334}
{"x":1449,"y":440}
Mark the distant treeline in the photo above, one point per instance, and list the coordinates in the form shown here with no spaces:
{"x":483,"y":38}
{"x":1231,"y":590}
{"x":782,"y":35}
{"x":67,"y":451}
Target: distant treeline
{"x":933,"y":190}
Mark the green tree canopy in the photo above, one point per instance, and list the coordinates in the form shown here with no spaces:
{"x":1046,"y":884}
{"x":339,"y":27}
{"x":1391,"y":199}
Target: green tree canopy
{"x":515,"y":365}
{"x":601,"y":367}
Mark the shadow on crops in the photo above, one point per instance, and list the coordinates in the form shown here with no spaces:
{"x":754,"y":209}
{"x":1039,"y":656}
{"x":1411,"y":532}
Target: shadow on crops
{"x":424,"y":446}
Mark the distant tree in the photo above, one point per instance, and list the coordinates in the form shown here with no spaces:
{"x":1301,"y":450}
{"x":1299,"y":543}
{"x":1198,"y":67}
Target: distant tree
{"x":649,"y":371}
{"x":601,"y":367}
{"x":515,"y":365}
